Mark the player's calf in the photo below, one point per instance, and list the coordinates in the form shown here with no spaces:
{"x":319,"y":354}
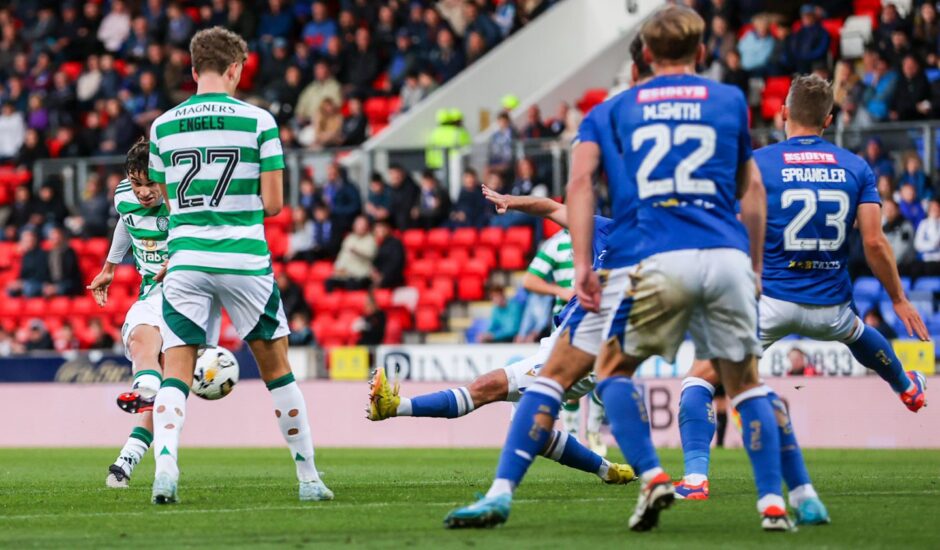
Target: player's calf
{"x":119,"y":473}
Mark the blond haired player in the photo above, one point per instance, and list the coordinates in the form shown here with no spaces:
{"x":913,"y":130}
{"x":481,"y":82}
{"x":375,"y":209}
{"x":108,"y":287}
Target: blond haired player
{"x":220,"y":166}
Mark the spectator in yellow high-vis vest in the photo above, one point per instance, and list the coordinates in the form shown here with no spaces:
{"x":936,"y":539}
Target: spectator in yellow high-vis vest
{"x":448,"y":134}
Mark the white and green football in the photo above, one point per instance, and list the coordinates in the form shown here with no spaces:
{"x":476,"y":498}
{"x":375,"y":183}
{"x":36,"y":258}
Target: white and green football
{"x":216,"y":373}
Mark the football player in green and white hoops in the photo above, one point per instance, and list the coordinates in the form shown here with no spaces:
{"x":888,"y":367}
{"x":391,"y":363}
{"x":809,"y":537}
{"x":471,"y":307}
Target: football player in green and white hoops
{"x":221,"y":168}
{"x":142,"y":227}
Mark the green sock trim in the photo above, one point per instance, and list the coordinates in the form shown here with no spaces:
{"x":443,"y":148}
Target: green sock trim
{"x":571,"y":408}
{"x":280,"y":382}
{"x":150,"y":372}
{"x":176,"y":383}
{"x":142,"y":434}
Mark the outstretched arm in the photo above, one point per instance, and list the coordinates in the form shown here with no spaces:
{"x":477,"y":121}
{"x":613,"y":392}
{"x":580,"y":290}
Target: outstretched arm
{"x":534,"y":206}
{"x":272,"y":192}
{"x":120,"y":243}
{"x":881,"y":261}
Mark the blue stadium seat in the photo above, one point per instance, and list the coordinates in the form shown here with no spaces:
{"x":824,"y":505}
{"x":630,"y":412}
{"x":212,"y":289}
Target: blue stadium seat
{"x":933,"y":324}
{"x":867,"y":288}
{"x":906,"y":284}
{"x":929,"y":284}
{"x":863,"y":305}
{"x":478,"y":327}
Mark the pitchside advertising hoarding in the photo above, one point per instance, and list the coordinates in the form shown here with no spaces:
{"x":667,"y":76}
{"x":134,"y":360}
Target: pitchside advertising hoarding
{"x":464,"y":362}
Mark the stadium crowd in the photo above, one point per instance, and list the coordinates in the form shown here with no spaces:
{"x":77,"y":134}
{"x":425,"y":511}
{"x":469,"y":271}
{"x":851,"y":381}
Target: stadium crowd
{"x":87,"y":79}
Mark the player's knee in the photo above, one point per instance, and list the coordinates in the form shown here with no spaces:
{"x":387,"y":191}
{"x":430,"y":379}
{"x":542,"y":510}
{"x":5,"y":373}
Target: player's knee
{"x":491,"y":387}
{"x":612,"y":361}
{"x":143,"y":344}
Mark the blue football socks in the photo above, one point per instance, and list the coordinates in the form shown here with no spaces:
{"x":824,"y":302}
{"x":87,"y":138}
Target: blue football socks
{"x":696,"y":425}
{"x":629,"y":422}
{"x":875,"y":352}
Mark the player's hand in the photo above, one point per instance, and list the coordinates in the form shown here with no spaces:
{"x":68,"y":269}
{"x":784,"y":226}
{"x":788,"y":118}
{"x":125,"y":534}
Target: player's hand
{"x":99,"y":287}
{"x":758,"y":285}
{"x":908,"y":314}
{"x":499,"y":200}
{"x":158,"y":278}
{"x":566,"y":294}
{"x":587,"y":286}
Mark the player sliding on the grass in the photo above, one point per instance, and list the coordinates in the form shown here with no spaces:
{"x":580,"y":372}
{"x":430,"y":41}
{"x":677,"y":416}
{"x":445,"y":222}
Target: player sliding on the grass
{"x":509,"y":383}
{"x":220,"y":166}
{"x":142,"y":227}
{"x":815,"y":192}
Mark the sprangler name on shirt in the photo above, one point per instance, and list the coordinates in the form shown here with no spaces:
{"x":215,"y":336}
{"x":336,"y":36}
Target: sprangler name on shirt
{"x":813,"y":175}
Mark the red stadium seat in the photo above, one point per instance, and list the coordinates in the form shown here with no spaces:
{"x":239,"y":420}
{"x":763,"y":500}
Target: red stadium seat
{"x":443,"y":285}
{"x":313,"y":293}
{"x":60,"y":306}
{"x":399,"y":315}
{"x":11,"y":308}
{"x":376,"y":110}
{"x":249,"y":71}
{"x":491,"y":237}
{"x":126,"y":275}
{"x":78,"y":245}
{"x":427,"y":320}
{"x":519,"y":236}
{"x":421,"y":268}
{"x":297,"y":271}
{"x":470,"y":288}
{"x":591,"y":98}
{"x":777,"y":85}
{"x":282,"y":220}
{"x":72,"y":69}
{"x":413,"y":239}
{"x":34,"y":307}
{"x":84,"y":306}
{"x":353,"y":302}
{"x":438,"y":239}
{"x":834,"y":28}
{"x":511,"y":258}
{"x":459,"y":255}
{"x":383,"y":298}
{"x":393,"y":331}
{"x":277,"y":241}
{"x":320,"y":271}
{"x":376,"y":128}
{"x":431,"y":298}
{"x":97,"y":248}
{"x":329,"y":302}
{"x":549,"y":228}
{"x":770,"y":106}
{"x":464,"y":237}
{"x":487,"y":256}
{"x":394,"y":104}
{"x":446,"y":268}
{"x":476,"y":268}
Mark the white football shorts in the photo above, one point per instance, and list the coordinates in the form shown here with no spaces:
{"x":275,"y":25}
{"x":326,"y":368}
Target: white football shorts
{"x":192,"y":302}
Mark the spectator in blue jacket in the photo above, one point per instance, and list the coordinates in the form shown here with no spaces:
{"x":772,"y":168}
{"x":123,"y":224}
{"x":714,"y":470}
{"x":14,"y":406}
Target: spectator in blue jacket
{"x":342,"y":197}
{"x":913,"y":174}
{"x":481,"y":23}
{"x":446,"y":58}
{"x":756,"y":46}
{"x":276,"y":22}
{"x":320,"y":29}
{"x":877,"y":159}
{"x":879,"y":94}
{"x":811,"y":41}
{"x":470,"y":210}
{"x":504,"y":320}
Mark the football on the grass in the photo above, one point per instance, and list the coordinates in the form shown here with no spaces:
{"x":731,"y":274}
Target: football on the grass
{"x":216,"y":373}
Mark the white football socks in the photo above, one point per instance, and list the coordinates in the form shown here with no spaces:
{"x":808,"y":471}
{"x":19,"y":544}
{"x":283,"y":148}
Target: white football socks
{"x":799,"y":494}
{"x":134,"y":450}
{"x":169,"y":413}
{"x":147,"y":382}
{"x":291,"y":412}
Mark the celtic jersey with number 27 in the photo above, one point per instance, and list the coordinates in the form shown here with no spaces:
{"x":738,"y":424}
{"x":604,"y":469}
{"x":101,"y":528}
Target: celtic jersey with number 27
{"x":210,"y":152}
{"x":147,"y":228}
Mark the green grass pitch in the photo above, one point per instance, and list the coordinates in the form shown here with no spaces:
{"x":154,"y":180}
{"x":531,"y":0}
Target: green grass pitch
{"x":397,"y":498}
